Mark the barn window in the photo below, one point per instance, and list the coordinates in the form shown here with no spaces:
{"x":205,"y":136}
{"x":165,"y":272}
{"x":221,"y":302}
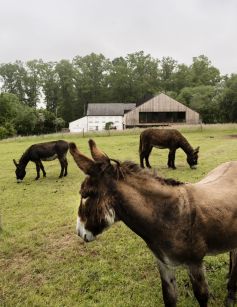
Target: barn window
{"x":162,"y":117}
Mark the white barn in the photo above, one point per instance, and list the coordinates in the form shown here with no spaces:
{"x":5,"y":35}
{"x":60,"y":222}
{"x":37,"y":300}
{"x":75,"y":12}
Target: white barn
{"x":98,"y":114}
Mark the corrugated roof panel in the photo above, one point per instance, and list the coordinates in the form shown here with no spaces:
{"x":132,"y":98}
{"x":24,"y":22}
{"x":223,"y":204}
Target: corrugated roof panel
{"x":111,"y":109}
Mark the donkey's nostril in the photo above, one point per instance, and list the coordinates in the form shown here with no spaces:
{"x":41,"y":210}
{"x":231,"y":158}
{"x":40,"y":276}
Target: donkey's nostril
{"x":85,"y":238}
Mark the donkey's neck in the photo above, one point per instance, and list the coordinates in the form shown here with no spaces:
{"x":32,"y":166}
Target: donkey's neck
{"x":187,"y":148}
{"x":143,"y":205}
{"x":24,"y":160}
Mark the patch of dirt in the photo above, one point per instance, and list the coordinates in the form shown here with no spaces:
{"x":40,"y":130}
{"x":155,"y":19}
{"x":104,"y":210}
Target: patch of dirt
{"x":233,"y":136}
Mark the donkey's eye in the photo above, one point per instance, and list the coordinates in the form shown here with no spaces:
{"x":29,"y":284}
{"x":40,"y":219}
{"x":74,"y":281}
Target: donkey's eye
{"x":87,"y":194}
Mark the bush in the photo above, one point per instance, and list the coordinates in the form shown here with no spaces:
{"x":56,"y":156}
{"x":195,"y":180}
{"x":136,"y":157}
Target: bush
{"x":7,"y":130}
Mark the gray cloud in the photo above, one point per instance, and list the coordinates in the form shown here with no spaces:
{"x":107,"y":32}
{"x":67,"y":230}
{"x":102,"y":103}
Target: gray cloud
{"x":59,"y":29}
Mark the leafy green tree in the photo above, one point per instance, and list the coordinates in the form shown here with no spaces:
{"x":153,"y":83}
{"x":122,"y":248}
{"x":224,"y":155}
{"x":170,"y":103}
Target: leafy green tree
{"x":120,"y":81}
{"x":67,"y":96}
{"x":32,"y":82}
{"x":25,"y":121}
{"x":59,"y":123}
{"x":13,"y":76}
{"x":203,"y":73}
{"x":202,"y":99}
{"x":143,"y":73}
{"x":91,"y":80}
{"x":228,"y":100}
{"x":9,"y":105}
{"x":181,"y":78}
{"x":50,"y":86}
{"x":168,"y":67}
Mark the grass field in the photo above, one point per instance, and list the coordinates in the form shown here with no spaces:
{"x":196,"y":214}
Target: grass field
{"x":44,"y":263}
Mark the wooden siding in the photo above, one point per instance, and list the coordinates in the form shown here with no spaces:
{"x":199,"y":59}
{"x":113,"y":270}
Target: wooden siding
{"x":160,"y":103}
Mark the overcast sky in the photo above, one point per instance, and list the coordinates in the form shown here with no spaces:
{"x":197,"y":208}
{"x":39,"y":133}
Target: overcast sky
{"x":61,"y":29}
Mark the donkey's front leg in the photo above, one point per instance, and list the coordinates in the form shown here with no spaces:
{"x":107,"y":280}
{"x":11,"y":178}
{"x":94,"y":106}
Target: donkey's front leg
{"x":37,"y":163}
{"x":199,"y":283}
{"x":61,"y":161}
{"x":232,"y":283}
{"x":42,"y":168}
{"x":171,"y":158}
{"x":169,"y":287}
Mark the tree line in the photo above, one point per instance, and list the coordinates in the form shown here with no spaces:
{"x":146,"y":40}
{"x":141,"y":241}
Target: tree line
{"x":42,"y":97}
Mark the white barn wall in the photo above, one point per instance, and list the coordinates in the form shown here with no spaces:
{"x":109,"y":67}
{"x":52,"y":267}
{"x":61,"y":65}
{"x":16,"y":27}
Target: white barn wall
{"x":78,"y":125}
{"x":98,"y":122}
{"x":95,"y":123}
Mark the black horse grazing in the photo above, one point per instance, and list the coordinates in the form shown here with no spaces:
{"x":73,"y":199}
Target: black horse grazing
{"x":43,"y":152}
{"x":180,"y":222}
{"x":166,"y":138}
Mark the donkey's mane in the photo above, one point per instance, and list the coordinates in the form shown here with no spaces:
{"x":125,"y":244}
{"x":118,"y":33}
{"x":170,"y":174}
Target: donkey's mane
{"x":23,"y":158}
{"x":129,"y":167}
{"x":184,"y":144}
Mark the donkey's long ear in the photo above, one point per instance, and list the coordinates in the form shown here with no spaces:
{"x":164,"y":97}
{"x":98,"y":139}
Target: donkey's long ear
{"x":14,"y":161}
{"x":196,"y":150}
{"x":96,"y":153}
{"x":84,"y":163}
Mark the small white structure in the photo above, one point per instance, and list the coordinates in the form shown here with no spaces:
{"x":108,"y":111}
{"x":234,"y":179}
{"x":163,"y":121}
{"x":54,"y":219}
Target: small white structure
{"x":98,"y":114}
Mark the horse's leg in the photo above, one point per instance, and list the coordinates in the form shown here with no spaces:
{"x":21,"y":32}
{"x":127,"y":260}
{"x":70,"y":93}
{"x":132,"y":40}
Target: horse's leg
{"x":232,"y":282}
{"x":169,"y":287}
{"x":147,"y":154}
{"x":37,"y":164}
{"x":65,"y":167}
{"x":171,"y":158}
{"x":61,"y":160}
{"x":199,"y":284}
{"x":42,"y":168}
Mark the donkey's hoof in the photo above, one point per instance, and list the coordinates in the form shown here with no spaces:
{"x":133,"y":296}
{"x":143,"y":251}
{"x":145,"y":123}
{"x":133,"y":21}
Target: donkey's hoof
{"x":36,"y":178}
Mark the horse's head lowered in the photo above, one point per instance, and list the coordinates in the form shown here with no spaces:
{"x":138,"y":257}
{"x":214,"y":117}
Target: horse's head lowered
{"x":96,"y":211}
{"x":192,"y":158}
{"x":20,"y":171}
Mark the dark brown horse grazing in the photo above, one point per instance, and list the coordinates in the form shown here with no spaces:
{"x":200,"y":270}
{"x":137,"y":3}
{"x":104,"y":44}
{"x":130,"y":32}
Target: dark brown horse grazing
{"x":166,"y":138}
{"x":43,"y":152}
{"x":180,"y":222}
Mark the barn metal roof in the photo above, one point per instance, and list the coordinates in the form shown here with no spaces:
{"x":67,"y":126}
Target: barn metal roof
{"x":109,"y":109}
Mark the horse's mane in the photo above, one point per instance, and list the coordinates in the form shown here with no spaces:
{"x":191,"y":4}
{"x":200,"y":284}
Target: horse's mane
{"x":129,"y":167}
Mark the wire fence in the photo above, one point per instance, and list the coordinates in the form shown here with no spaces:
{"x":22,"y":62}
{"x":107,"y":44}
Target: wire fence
{"x":131,"y":131}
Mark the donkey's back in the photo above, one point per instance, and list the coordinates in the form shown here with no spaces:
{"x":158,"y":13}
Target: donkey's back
{"x":214,"y":200}
{"x":161,"y":138}
{"x":48,"y":150}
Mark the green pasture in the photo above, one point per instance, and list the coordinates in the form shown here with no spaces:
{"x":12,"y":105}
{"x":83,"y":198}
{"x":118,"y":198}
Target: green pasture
{"x":44,"y":263}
